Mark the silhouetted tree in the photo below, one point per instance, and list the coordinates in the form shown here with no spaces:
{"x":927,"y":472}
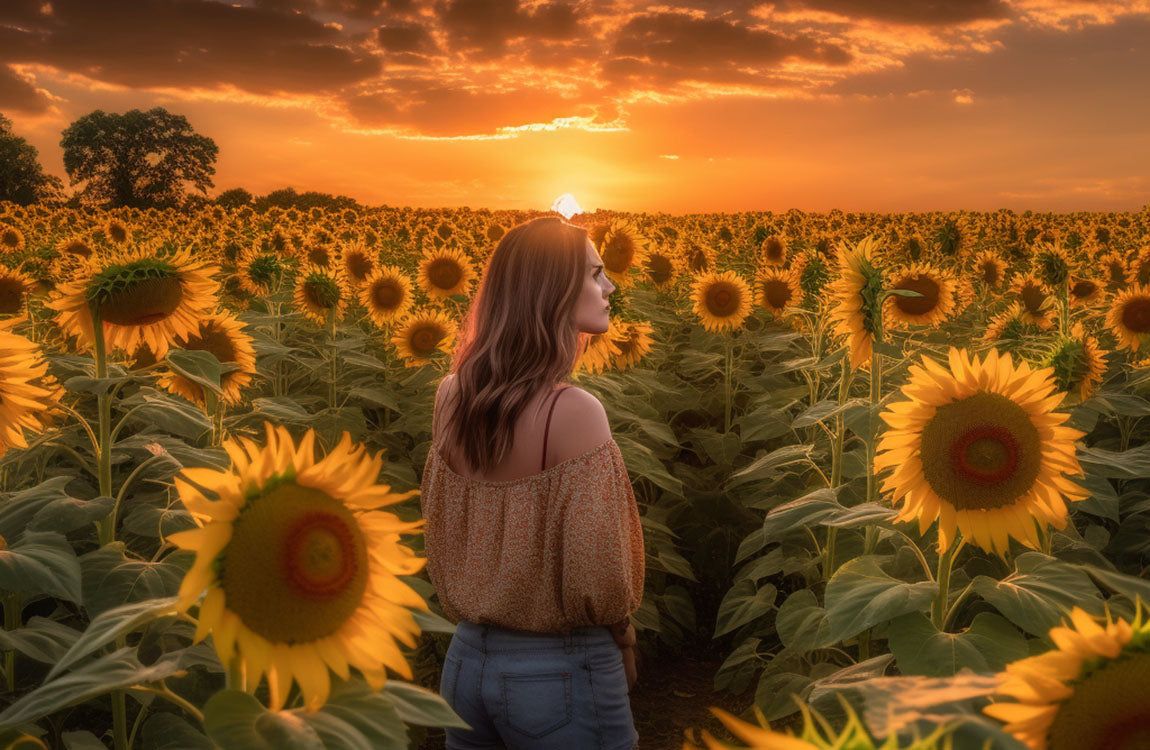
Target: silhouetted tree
{"x":137,"y":159}
{"x":234,"y":198}
{"x":22,"y":179}
{"x":289,"y":198}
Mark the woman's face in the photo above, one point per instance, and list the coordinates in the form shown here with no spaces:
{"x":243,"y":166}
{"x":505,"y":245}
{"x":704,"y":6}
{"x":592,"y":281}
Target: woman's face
{"x":592,"y":314}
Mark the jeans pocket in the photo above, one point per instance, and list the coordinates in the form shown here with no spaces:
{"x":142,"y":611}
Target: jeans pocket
{"x":448,"y":678}
{"x":536,"y":704}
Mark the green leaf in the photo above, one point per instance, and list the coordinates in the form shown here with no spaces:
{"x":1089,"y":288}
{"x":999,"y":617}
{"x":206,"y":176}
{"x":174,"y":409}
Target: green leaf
{"x":116,"y":671}
{"x":375,"y":395}
{"x":1130,"y":587}
{"x":281,"y":408}
{"x":1130,"y":464}
{"x":110,"y":579}
{"x":1103,"y":500}
{"x":764,"y":466}
{"x":822,"y":410}
{"x":170,"y":732}
{"x":41,"y":562}
{"x":169,"y":414}
{"x":40,"y":639}
{"x":17,"y":511}
{"x":988,"y":645}
{"x":807,"y":510}
{"x":860,"y":595}
{"x":743,"y":602}
{"x":413,"y":704}
{"x":862,"y":514}
{"x":197,"y":365}
{"x":801,"y":623}
{"x":235,"y":720}
{"x":1039,"y":592}
{"x":774,"y":693}
{"x":66,"y":514}
{"x":109,"y":625}
{"x":82,"y":740}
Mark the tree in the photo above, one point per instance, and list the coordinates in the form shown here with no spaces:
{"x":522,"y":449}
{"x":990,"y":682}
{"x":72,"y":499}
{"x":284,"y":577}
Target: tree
{"x":22,"y":179}
{"x":137,"y":159}
{"x":234,"y":198}
{"x":289,"y":198}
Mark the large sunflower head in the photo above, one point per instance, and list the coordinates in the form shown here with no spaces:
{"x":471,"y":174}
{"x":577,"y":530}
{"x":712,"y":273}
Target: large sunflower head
{"x":11,"y":239}
{"x":777,"y":290}
{"x":386,"y":295}
{"x":634,"y":342}
{"x":300,"y":565}
{"x":445,"y":272}
{"x":358,"y":262}
{"x":990,"y":269}
{"x":1129,"y":317}
{"x":662,"y":267}
{"x":141,"y":297}
{"x":602,"y":349}
{"x":940,"y":296}
{"x":28,"y":394}
{"x":117,"y":231}
{"x":979,"y":447}
{"x":15,"y":286}
{"x":1078,"y":363}
{"x":857,"y":291}
{"x":773,"y":250}
{"x":423,"y":333}
{"x":222,"y":334}
{"x":1088,"y":692}
{"x":721,"y":299}
{"x":1038,"y":304}
{"x":321,"y":293}
{"x":623,"y":247}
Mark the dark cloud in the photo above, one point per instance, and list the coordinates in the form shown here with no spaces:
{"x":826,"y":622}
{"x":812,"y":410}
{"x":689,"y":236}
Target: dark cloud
{"x":193,"y":43}
{"x":348,"y":8}
{"x":18,"y":94}
{"x":406,"y":37}
{"x":483,"y":27}
{"x":668,"y":47}
{"x":924,"y":13}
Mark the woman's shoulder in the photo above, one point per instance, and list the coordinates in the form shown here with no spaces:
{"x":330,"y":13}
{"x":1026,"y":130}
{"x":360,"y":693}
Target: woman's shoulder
{"x":578,"y":424}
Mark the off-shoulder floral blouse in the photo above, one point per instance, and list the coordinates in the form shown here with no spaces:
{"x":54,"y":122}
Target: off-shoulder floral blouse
{"x":558,"y":549}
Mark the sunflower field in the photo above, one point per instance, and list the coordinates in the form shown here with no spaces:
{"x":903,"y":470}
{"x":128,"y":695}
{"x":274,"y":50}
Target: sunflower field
{"x":895,"y":466}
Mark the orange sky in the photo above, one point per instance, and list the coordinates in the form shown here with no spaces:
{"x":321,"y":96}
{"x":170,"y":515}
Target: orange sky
{"x":862,"y":105}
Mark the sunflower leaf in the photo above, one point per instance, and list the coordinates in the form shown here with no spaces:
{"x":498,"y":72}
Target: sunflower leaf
{"x":861,"y":595}
{"x":41,"y":562}
{"x":109,"y":625}
{"x":198,"y":365}
{"x":988,"y":645}
{"x":1039,"y":592}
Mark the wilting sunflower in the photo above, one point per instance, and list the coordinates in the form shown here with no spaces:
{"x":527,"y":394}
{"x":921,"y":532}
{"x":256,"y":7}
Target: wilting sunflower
{"x":979,"y":447}
{"x":773,"y":250}
{"x":857,"y":291}
{"x":1078,"y":363}
{"x":721,"y":299}
{"x":358,"y":262}
{"x":777,"y":290}
{"x":1088,"y":692}
{"x":624,"y":247}
{"x":28,"y":395}
{"x":1085,"y":292}
{"x":259,"y":271}
{"x":11,"y":239}
{"x":319,"y":292}
{"x":142,"y":298}
{"x":634,"y":342}
{"x":15,"y":286}
{"x":300,"y":565}
{"x":1115,"y":269}
{"x":1038,"y":305}
{"x":387,"y":295}
{"x":445,"y":272}
{"x":222,"y":334}
{"x":1129,"y":317}
{"x":941,"y":296}
{"x":661,"y":267}
{"x":422,"y":334}
{"x":990,"y":269}
{"x":601,"y":349}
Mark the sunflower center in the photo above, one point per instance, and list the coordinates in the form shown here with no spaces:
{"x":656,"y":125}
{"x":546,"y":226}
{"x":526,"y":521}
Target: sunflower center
{"x":424,"y":339}
{"x":1083,"y":289}
{"x":722,"y":299}
{"x":264,"y":269}
{"x":11,"y":295}
{"x":1108,"y":709}
{"x":321,"y":291}
{"x":619,"y":253}
{"x":359,"y":265}
{"x":212,"y":340}
{"x":1033,"y":297}
{"x":980,"y":452}
{"x":296,"y":567}
{"x":444,"y":273}
{"x":1136,"y":315}
{"x":778,"y":293}
{"x":773,"y":249}
{"x":659,"y":268}
{"x":318,"y":255}
{"x":137,"y":295}
{"x":990,"y":273}
{"x":924,"y":285}
{"x":385,"y":295}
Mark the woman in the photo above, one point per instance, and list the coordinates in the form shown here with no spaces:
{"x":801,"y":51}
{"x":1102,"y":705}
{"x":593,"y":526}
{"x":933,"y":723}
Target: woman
{"x":533,"y":539}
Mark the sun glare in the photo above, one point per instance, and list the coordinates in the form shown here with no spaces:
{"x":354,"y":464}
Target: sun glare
{"x":566,"y":205}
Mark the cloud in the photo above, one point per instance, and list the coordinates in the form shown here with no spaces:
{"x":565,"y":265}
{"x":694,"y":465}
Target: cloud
{"x":918,"y":12}
{"x":483,"y":27}
{"x":18,"y":94}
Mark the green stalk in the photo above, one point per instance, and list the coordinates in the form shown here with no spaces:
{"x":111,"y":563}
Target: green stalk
{"x":12,"y":610}
{"x":120,"y":719}
{"x":872,"y":444}
{"x":331,"y":342}
{"x":837,"y":462}
{"x":107,"y":532}
{"x":727,"y":389}
{"x":938,"y":609}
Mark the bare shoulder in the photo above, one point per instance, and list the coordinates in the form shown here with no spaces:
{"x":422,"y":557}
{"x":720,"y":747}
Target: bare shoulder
{"x":578,"y":424}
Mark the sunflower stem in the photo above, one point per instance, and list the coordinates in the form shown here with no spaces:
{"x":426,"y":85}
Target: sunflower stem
{"x":331,"y":390}
{"x":107,"y":532}
{"x":872,"y":443}
{"x":945,"y":563}
{"x":119,"y":720}
{"x":12,"y":611}
{"x":727,"y":389}
{"x":837,"y":462}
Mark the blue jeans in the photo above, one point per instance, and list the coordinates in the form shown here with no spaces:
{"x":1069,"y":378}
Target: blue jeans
{"x":520,"y":690}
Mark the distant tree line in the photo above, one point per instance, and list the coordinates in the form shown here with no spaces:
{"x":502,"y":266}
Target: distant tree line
{"x":136,"y":159}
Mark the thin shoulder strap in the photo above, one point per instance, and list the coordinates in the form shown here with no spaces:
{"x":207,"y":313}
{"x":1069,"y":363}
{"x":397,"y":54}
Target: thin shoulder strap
{"x":547,"y":428}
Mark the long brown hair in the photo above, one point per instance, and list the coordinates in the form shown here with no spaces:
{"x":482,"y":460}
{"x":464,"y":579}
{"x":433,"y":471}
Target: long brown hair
{"x":519,"y":335}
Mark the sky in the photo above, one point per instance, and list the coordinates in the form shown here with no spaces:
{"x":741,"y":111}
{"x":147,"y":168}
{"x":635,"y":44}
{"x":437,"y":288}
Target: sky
{"x":860,"y":105}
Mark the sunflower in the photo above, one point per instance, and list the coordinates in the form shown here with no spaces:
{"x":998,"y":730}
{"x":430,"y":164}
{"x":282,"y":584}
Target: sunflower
{"x":990,"y":269}
{"x":1129,"y":317}
{"x":315,"y":253}
{"x":1140,"y":267}
{"x":28,"y":395}
{"x":941,"y":296}
{"x":11,"y":239}
{"x":300,"y":565}
{"x":623,"y":247}
{"x":116,"y":231}
{"x":980,"y":447}
{"x":721,"y":299}
{"x":1085,"y":292}
{"x":357,"y":262}
{"x":386,"y":294}
{"x":695,"y":257}
{"x":661,"y":267}
{"x":773,"y":250}
{"x":1115,"y":269}
{"x":74,"y":246}
{"x":142,"y":298}
{"x":1038,"y":305}
{"x":1009,"y":330}
{"x":423,"y":333}
{"x":1088,"y":692}
{"x":857,"y":290}
{"x":777,"y":290}
{"x":1052,"y":264}
{"x":259,"y":272}
{"x":222,"y":334}
{"x":445,"y":272}
{"x":634,"y":343}
{"x":813,"y":274}
{"x":15,"y":286}
{"x":601,"y":349}
{"x":319,"y":292}
{"x":1078,"y":363}
{"x":760,"y":737}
